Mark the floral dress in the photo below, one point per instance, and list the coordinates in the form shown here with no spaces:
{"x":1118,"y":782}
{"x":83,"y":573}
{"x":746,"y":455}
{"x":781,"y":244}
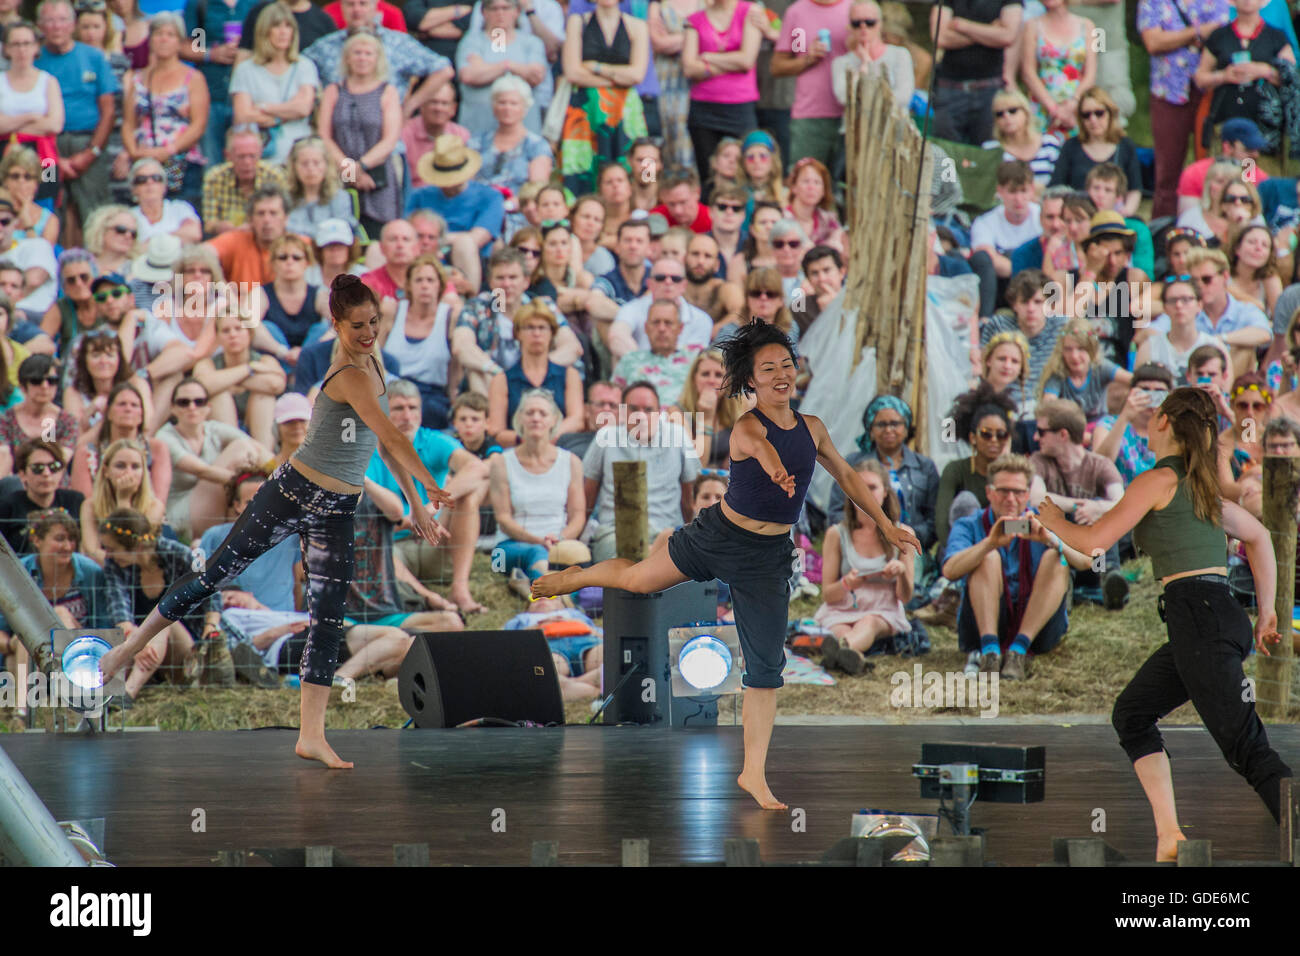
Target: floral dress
{"x":674,"y":97}
{"x":1060,"y":68}
{"x":170,"y":116}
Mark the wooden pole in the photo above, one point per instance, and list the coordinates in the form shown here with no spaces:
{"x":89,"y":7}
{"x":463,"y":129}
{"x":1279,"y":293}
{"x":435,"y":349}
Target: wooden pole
{"x":631,"y":512}
{"x":1274,"y":674}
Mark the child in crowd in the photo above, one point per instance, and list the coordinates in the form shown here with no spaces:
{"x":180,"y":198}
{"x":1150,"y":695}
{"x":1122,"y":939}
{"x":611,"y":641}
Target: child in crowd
{"x":1078,"y":372}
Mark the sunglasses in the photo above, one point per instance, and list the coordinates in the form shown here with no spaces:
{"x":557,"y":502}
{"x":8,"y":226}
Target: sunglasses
{"x":989,"y":434}
{"x":864,"y":22}
{"x":290,"y":256}
{"x":1094,"y":114}
{"x":53,"y":467}
{"x":77,"y":277}
{"x":125,"y":231}
{"x":116,"y":293}
{"x":1230,"y":199}
{"x":729,"y":207}
{"x":786,"y":243}
{"x":1009,"y":111}
{"x":147,"y":178}
{"x":529,"y":251}
{"x":20,"y":174}
{"x":554,"y":224}
{"x":4,"y":223}
{"x":1206,"y":279}
{"x":187,"y":402}
{"x":43,"y":380}
{"x":1250,"y":405}
{"x":763,"y":294}
{"x":661,"y":277}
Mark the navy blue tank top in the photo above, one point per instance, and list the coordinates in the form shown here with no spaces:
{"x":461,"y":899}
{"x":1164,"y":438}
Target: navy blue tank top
{"x":751,"y":491}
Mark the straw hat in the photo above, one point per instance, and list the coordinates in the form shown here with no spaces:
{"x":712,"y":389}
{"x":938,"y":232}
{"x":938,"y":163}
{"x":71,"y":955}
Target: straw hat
{"x":449,"y":163}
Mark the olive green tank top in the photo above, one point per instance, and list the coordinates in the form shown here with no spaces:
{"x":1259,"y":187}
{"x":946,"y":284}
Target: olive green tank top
{"x":1175,"y":538}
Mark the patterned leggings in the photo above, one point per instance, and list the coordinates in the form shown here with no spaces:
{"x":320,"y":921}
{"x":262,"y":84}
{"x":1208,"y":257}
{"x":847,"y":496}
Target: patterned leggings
{"x":287,"y":504}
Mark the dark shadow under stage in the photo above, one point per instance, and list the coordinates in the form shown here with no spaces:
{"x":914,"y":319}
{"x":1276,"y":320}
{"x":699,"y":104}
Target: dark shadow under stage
{"x":590,"y":787}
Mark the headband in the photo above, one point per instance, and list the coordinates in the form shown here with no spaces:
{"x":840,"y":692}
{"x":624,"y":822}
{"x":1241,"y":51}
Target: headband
{"x":878,"y":404}
{"x":1263,"y":391}
{"x":123,"y":533}
{"x":758,"y":138}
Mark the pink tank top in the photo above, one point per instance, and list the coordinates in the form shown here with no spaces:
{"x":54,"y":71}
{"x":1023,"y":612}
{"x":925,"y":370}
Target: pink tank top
{"x":728,"y":87}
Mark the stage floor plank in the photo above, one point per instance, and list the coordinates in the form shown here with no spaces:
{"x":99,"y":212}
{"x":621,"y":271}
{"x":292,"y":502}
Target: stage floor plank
{"x":591,"y":787}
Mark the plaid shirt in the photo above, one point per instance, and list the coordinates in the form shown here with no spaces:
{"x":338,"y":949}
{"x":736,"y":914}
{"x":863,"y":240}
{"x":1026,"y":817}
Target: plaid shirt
{"x":1134,"y":455}
{"x":488,"y":325}
{"x":408,"y":58}
{"x":222,"y":200}
{"x":121,"y":584}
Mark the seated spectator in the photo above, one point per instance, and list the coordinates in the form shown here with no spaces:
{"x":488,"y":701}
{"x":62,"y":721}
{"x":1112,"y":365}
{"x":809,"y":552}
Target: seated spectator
{"x":418,"y":335}
{"x":1254,"y":278}
{"x":664,"y":365}
{"x":1026,"y":296}
{"x":764,"y":300}
{"x":429,"y":230}
{"x":165,"y":111}
{"x":671,"y":468}
{"x":1122,"y":438}
{"x":1101,"y":139}
{"x":1109,"y":290}
{"x":1004,"y":364}
{"x":205,"y":455}
{"x":110,"y":232}
{"x":276,"y":89}
{"x":316,"y":193}
{"x":38,"y":379}
{"x":483,"y":341}
{"x":122,"y":482}
{"x":1052,"y":243}
{"x":1078,"y":372}
{"x":421,"y":131}
{"x":360,"y":121}
{"x":1066,"y":256}
{"x":727,"y":205}
{"x":203,"y":294}
{"x":474,"y":211}
{"x":1106,"y":185}
{"x":1281,"y":373}
{"x":152,"y":274}
{"x":812,"y":204}
{"x":614,"y":186}
{"x":513,"y":154}
{"x":338,"y":252}
{"x":998,"y":635}
{"x":123,"y":420}
{"x":11,"y":356}
{"x":705,"y":413}
{"x":292,"y":309}
{"x":229,"y":187}
{"x":1058,"y":60}
{"x":315,"y":360}
{"x":1281,"y":437}
{"x":11,"y":283}
{"x":558,"y":277}
{"x":984,"y":416}
{"x":588,"y":224}
{"x":757,"y":250}
{"x":292,"y":416}
{"x":34,"y":257}
{"x":497,"y":51}
{"x":1179,"y":242}
{"x":39,"y":465}
{"x":667,"y":281}
{"x":679,"y":201}
{"x":1020,"y":134}
{"x":74,"y":311}
{"x":629,"y":277}
{"x":442,"y":456}
{"x":242,"y":383}
{"x":534,"y":327}
{"x":1237,"y":66}
{"x":469,"y":415}
{"x":1229,"y":201}
{"x":399,"y":245}
{"x":1012,"y":223}
{"x":600,"y":408}
{"x":1241,"y":326}
{"x":826,"y":273}
{"x":912,"y":477}
{"x":1252,"y":405}
{"x":99,"y":366}
{"x":1239,"y":140}
{"x":1173,"y":348}
{"x":1208,"y":368}
{"x":245,"y":251}
{"x":139,"y":568}
{"x":705,"y":287}
{"x":155,"y":214}
{"x":20,"y":174}
{"x":867,"y":581}
{"x":789,"y":243}
{"x":646,"y":160}
{"x":537,"y":494}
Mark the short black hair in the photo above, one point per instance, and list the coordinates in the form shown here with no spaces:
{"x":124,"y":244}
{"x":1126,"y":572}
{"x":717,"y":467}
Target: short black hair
{"x":639,"y":383}
{"x":739,"y":350}
{"x":822,"y":252}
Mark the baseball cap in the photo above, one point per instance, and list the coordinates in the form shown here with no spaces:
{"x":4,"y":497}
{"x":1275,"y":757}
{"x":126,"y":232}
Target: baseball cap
{"x":333,"y":231}
{"x":1243,"y":131}
{"x":292,"y":407}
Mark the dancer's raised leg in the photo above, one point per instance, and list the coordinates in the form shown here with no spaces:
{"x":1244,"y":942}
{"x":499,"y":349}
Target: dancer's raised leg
{"x":656,"y":573}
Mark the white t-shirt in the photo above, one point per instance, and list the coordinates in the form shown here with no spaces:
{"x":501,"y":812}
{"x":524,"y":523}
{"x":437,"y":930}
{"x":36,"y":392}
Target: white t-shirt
{"x":175,"y":213}
{"x":667,"y":464}
{"x":697,"y":327}
{"x":30,"y":254}
{"x":263,"y":86}
{"x":992,"y":229}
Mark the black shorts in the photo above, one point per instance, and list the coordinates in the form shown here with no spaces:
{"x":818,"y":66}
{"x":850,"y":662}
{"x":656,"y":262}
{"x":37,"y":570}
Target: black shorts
{"x":291,"y":652}
{"x":757,"y":568}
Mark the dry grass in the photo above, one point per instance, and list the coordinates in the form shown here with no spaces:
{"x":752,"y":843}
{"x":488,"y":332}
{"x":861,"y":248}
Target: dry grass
{"x":1083,"y":676}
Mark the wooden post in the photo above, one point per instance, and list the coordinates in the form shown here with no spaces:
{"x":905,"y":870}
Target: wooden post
{"x":1089,"y":852}
{"x":320,"y":856}
{"x":631,"y":513}
{"x":742,"y":852}
{"x":636,"y":852}
{"x":957,"y":851}
{"x":410,"y":854}
{"x":1289,"y":825}
{"x":1274,"y":674}
{"x":545,"y":853}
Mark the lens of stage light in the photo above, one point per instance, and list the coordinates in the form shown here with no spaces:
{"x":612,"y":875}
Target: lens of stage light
{"x":81,"y":661}
{"x":704,"y":662}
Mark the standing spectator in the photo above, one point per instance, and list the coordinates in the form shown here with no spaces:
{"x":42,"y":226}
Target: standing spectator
{"x":275,"y":90}
{"x":1057,"y":60}
{"x":606,"y":54}
{"x":87,"y":85}
{"x":422,"y":130}
{"x":1021,"y":136}
{"x":974,"y":35}
{"x":135,"y":31}
{"x":474,"y":211}
{"x":813,"y":34}
{"x":222,"y":27}
{"x":313,"y":23}
{"x":228,"y":186}
{"x":1237,"y":65}
{"x":1101,"y":139}
{"x":438,"y":24}
{"x":39,"y":465}
{"x":360,"y":121}
{"x":316,"y":192}
{"x":719,"y":50}
{"x":387,"y":14}
{"x":869,"y":53}
{"x":667,"y":38}
{"x":648,"y":88}
{"x":496,"y":51}
{"x":1174,"y":32}
{"x":155,"y":214}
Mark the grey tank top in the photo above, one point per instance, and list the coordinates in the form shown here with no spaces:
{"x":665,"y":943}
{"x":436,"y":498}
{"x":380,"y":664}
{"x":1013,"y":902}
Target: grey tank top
{"x":850,"y":560}
{"x":338,"y":442}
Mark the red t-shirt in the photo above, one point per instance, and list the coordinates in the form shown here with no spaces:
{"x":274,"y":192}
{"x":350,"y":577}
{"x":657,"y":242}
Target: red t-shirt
{"x":381,"y":283}
{"x":703,"y":221}
{"x":392,"y":18}
{"x":1192,"y":179}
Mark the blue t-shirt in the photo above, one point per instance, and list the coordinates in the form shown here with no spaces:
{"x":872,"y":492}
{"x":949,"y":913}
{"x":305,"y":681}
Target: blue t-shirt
{"x":969,"y":531}
{"x":270,"y":577}
{"x":478,"y":204}
{"x":216,"y":16}
{"x":435,"y":450}
{"x":84,"y":75}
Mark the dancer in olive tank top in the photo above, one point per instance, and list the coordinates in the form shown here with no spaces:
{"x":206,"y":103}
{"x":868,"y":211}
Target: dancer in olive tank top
{"x":1178,"y":519}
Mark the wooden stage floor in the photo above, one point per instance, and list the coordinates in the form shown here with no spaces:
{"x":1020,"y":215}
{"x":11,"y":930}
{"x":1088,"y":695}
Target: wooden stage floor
{"x":590,"y":787}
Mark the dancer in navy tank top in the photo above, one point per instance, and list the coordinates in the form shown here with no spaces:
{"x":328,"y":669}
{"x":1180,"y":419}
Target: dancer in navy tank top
{"x":744,"y":539}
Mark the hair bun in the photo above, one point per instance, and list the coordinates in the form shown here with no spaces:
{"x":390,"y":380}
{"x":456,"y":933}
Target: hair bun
{"x":344,"y":281}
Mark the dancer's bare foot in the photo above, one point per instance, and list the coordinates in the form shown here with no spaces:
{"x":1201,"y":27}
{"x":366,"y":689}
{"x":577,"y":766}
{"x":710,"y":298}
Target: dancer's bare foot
{"x":757,"y":788}
{"x":554,"y":584}
{"x":1167,"y":847}
{"x":320,"y":750}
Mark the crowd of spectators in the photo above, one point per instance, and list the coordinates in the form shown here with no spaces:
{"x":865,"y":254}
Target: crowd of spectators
{"x":564,"y":209}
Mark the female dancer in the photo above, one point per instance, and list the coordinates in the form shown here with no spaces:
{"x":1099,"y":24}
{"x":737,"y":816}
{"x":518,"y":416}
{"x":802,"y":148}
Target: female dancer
{"x":744,"y":540}
{"x":1177,"y":517}
{"x":304,"y":497}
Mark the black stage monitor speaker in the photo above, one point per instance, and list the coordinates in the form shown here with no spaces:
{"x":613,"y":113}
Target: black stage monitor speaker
{"x":457,"y":676}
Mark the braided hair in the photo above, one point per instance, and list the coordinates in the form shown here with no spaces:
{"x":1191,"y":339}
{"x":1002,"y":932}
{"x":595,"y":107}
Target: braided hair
{"x":1194,"y":419}
{"x":739,"y":350}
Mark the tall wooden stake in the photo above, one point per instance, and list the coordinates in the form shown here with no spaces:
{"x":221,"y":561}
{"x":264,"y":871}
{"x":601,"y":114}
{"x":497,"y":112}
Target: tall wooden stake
{"x":631,"y":511}
{"x":1275,"y":673}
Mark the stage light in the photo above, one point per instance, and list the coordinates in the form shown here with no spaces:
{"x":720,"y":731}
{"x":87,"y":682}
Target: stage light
{"x":78,"y":653}
{"x":922,"y":828}
{"x":81,"y":661}
{"x":704,"y":662}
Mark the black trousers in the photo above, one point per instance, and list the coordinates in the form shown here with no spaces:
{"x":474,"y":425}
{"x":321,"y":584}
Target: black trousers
{"x":1209,"y":636}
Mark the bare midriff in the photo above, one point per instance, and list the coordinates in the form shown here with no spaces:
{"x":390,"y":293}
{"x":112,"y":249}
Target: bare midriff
{"x":1191,"y":574}
{"x":750,"y":524}
{"x":325,"y":481}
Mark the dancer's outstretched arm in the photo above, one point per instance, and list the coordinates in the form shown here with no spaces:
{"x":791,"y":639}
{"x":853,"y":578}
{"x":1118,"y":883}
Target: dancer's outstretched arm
{"x":1242,"y":525}
{"x":423,"y":522}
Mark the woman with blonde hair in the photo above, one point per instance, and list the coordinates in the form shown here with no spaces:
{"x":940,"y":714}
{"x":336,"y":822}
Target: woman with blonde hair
{"x":154,"y":213}
{"x":1227,"y":198}
{"x":1101,"y":139}
{"x":290,"y":305}
{"x":764,"y":299}
{"x":760,"y":170}
{"x":706,"y":414}
{"x":276,"y":89}
{"x":124,"y":419}
{"x":316,"y":192}
{"x":896,"y":28}
{"x":535,"y":326}
{"x":1020,"y":134}
{"x":1004,"y":364}
{"x":242,"y":383}
{"x":360,"y":121}
{"x":20,"y":173}
{"x":1077,"y":371}
{"x":121,"y":482}
{"x":418,"y":334}
{"x":111,"y":235}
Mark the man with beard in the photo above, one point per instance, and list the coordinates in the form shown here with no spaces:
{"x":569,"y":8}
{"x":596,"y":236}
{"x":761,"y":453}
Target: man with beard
{"x":704,"y":290}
